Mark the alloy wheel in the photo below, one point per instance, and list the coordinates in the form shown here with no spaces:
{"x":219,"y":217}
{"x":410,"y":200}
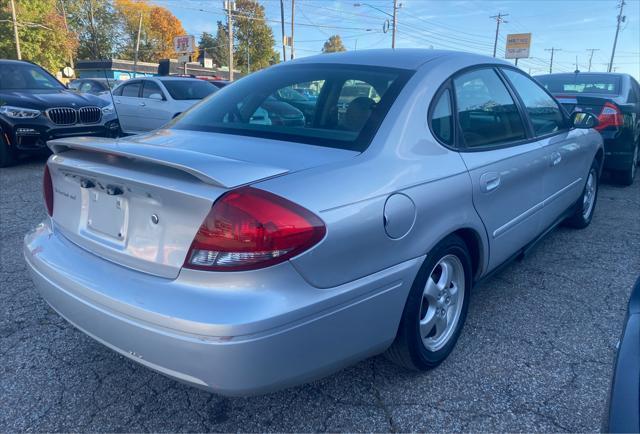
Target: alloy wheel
{"x":442,"y":301}
{"x":589,"y":197}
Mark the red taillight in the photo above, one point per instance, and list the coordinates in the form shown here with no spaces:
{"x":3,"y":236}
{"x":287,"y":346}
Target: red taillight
{"x":47,"y":190}
{"x":250,"y":228}
{"x":610,"y":116}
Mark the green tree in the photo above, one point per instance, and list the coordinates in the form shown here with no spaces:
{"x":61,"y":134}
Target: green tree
{"x":43,"y":37}
{"x":216,"y":46}
{"x":333,"y":45}
{"x":253,"y":37}
{"x":98,"y":28}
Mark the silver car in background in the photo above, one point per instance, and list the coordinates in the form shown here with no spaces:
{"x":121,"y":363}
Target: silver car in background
{"x":148,"y":103}
{"x":243,"y":257}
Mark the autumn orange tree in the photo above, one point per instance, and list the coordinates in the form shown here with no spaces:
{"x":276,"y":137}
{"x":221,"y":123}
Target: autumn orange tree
{"x":159,"y":27}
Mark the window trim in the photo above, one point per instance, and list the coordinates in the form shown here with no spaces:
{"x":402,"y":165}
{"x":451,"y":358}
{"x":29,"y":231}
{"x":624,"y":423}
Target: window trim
{"x":129,"y":83}
{"x":563,"y":112}
{"x":446,"y":86}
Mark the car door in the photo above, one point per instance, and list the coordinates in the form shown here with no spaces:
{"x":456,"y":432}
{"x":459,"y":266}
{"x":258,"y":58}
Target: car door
{"x":155,"y":109}
{"x":568,"y":159}
{"x":505,"y":165}
{"x":128,"y":100}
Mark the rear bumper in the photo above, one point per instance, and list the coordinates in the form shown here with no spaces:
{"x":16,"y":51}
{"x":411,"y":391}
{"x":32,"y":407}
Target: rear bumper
{"x":237,"y":339}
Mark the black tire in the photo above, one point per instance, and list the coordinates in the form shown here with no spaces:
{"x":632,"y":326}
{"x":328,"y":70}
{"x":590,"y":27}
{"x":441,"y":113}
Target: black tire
{"x":581,"y":219}
{"x":408,"y":349}
{"x":7,"y":157}
{"x":626,"y":177}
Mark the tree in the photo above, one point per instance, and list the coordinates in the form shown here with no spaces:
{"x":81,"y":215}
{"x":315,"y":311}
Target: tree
{"x":98,"y":28}
{"x":333,"y":45}
{"x":216,"y":46}
{"x":43,"y":37}
{"x":159,"y":27}
{"x":253,"y":37}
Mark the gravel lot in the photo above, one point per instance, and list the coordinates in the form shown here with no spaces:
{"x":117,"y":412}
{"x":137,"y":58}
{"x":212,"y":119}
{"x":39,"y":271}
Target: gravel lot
{"x":535,"y":355}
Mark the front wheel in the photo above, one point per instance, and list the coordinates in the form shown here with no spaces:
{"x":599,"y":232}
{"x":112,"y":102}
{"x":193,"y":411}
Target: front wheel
{"x":436,"y":308}
{"x":587,"y":203}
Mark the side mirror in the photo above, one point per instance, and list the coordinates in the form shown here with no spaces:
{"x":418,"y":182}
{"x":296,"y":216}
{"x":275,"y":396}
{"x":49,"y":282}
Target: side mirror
{"x":156,"y":96}
{"x":584,"y":120}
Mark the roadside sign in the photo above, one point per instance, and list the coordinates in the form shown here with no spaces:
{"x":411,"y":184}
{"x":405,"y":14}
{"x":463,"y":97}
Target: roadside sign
{"x":184,"y":44}
{"x":518,"y":45}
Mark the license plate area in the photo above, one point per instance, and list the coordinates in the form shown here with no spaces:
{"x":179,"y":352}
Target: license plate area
{"x":107,"y":215}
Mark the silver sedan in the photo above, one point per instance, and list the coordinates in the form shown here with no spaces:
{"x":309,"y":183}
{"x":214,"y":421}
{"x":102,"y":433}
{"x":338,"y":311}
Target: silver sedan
{"x":242,"y":254}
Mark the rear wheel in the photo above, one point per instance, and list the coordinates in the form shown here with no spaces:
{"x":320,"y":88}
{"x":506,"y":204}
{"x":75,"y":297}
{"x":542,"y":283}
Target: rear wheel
{"x":7,"y":157}
{"x":587,"y":203}
{"x":436,"y":308}
{"x":627,"y":176}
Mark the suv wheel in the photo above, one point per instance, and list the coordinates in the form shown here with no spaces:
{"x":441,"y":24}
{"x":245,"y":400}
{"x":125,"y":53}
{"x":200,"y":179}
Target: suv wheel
{"x":587,"y":203}
{"x":436,"y":308}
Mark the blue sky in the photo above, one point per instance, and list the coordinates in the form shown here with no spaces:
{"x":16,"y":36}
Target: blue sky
{"x":573,"y":26}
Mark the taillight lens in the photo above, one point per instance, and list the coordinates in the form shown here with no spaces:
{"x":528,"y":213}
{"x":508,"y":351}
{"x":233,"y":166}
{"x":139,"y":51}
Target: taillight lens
{"x":610,"y":116}
{"x":47,"y":190}
{"x":250,"y":228}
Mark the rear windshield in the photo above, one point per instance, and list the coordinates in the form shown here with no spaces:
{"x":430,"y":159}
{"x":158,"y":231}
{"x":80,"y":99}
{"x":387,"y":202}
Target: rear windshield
{"x":26,"y":76}
{"x":272,"y":104}
{"x":581,"y":83}
{"x":189,"y":89}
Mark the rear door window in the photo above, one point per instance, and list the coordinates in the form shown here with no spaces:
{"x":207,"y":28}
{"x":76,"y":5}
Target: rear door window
{"x":544,"y":112}
{"x":487,"y":114}
{"x":150,"y":88}
{"x":131,"y":89}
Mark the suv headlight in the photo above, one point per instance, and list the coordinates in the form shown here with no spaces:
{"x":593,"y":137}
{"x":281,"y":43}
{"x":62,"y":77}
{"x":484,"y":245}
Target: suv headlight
{"x":19,"y":112}
{"x":107,"y":110}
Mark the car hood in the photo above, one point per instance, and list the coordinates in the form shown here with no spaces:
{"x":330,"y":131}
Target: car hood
{"x":47,"y":98}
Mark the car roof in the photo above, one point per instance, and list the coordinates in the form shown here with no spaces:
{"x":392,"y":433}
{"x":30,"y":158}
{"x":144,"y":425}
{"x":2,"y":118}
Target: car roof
{"x":15,"y":62}
{"x":403,"y":58}
{"x":589,"y":74}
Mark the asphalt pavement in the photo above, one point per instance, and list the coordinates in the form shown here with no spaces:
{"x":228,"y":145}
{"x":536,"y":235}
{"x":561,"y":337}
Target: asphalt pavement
{"x":535,"y":355}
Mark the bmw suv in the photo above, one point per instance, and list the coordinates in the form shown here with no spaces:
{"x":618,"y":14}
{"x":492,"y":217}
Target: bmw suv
{"x":35,"y":108}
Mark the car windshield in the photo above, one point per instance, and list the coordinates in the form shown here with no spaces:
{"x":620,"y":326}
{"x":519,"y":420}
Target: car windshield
{"x":247,"y":107}
{"x":581,"y":83}
{"x":189,"y":89}
{"x":26,"y":76}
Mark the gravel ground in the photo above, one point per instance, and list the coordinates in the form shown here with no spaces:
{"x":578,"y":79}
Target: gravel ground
{"x":535,"y":355}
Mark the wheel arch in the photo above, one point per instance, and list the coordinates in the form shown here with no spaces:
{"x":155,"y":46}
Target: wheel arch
{"x":475,"y":247}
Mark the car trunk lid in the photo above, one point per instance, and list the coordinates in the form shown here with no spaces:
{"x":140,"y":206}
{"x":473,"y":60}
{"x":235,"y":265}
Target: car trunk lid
{"x":139,"y":204}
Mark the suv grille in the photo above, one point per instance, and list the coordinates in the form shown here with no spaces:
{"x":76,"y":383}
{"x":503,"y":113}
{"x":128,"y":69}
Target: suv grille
{"x":71,"y":116}
{"x":63,"y":116}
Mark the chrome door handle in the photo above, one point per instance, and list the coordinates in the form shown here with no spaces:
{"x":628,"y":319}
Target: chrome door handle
{"x":490,"y":181}
{"x":556,"y":158}
{"x":142,"y":104}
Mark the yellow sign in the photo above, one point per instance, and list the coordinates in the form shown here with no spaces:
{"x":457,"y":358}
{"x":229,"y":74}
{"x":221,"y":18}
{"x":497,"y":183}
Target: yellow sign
{"x":518,"y":46}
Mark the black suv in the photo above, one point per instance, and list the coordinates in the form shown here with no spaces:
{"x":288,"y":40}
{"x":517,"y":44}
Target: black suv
{"x":35,"y":107}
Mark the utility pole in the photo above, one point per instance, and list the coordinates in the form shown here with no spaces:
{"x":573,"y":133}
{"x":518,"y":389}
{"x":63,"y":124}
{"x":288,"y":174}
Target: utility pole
{"x":15,"y":30}
{"x":230,"y":6}
{"x":621,"y":19}
{"x":591,"y":55}
{"x":499,"y":19}
{"x":284,"y":41}
{"x":293,"y":8}
{"x":553,"y":50}
{"x":66,"y":29}
{"x":395,"y":23}
{"x":135,"y":58}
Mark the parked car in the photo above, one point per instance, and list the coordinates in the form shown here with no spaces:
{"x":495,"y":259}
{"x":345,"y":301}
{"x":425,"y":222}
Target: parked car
{"x":219,"y":83}
{"x":148,"y":103}
{"x":623,"y":409}
{"x":615,"y":99}
{"x":94,"y":86}
{"x":35,"y":107}
{"x":244,"y":257}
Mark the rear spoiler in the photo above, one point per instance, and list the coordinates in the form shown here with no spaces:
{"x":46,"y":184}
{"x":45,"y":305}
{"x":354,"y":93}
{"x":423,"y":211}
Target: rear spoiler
{"x":210,"y":169}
